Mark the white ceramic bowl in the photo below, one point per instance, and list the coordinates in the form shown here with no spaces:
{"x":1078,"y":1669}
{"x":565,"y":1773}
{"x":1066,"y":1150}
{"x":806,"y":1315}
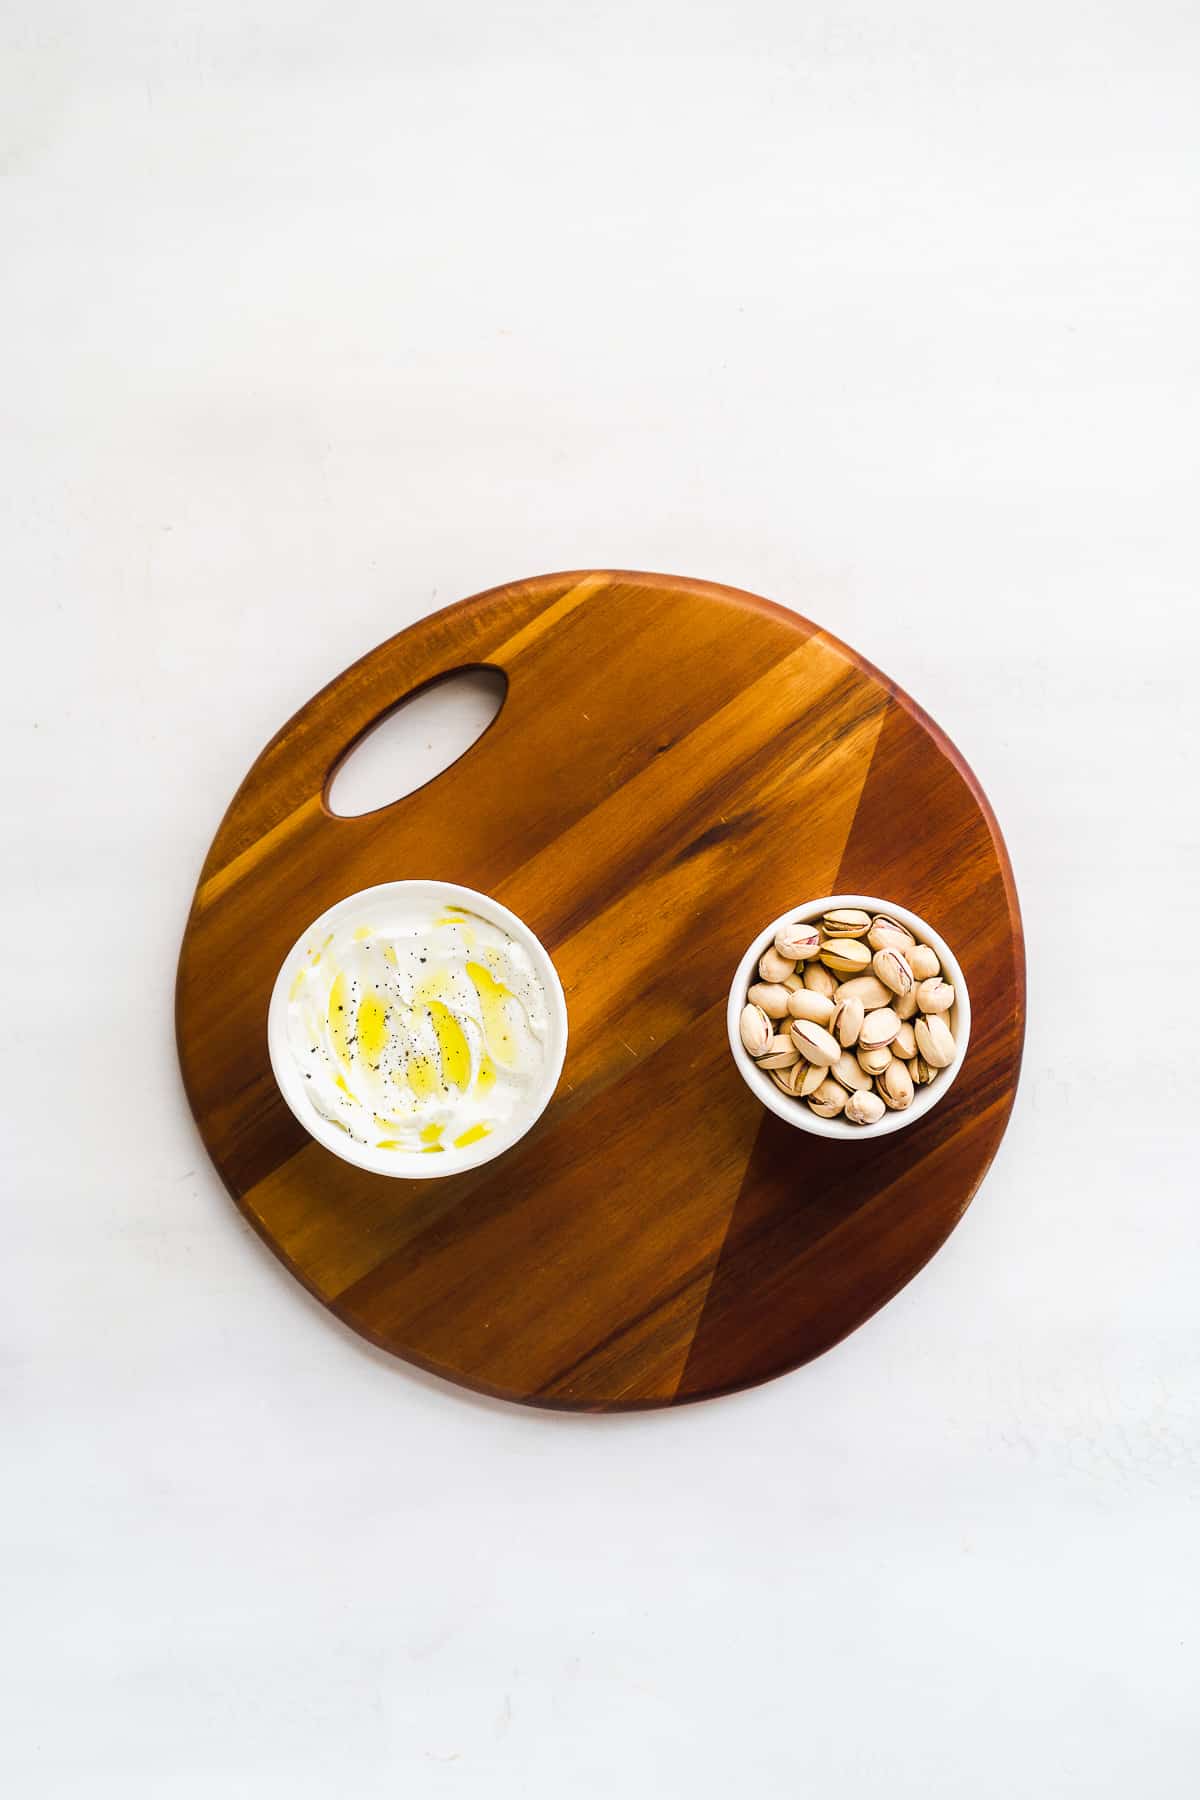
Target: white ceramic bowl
{"x":411,"y":1166}
{"x":798,"y":1112}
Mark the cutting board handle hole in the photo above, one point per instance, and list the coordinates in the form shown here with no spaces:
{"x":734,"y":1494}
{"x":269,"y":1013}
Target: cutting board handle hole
{"x":419,"y":738}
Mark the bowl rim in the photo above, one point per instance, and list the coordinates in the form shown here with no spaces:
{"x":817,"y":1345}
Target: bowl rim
{"x":403,"y":1165}
{"x":794,"y":1112}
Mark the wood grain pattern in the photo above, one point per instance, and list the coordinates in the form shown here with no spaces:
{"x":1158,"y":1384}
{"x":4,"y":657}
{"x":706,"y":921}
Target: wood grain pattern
{"x":674,"y":763}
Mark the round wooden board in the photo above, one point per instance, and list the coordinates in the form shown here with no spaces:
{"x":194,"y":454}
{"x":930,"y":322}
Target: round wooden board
{"x":674,"y":763}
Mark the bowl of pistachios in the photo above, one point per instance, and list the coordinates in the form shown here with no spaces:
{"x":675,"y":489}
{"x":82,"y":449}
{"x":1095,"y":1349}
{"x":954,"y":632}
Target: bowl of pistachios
{"x":849,"y":1016}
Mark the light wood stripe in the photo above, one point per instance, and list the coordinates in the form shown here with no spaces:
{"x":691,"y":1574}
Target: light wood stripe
{"x":219,"y":884}
{"x":553,"y":615}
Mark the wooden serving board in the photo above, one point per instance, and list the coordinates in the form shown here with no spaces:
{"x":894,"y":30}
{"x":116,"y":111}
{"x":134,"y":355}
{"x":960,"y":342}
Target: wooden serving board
{"x":674,"y":764}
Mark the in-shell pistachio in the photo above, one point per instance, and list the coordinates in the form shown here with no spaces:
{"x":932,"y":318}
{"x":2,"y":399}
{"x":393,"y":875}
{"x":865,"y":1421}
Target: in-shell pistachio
{"x":755,"y":1028}
{"x":772,"y":996}
{"x":922,"y":1073}
{"x":847,"y":1022}
{"x":773,"y":967}
{"x":849,"y":1072}
{"x":935,"y":995}
{"x":934,"y":1041}
{"x":923,"y":962}
{"x":878,"y":1029}
{"x":811,"y":1077}
{"x":875,"y":1061}
{"x":894,"y":970}
{"x":804,"y":1004}
{"x":895,"y":1087}
{"x":905,"y":1005}
{"x":888,"y":934}
{"x":814,"y":1042}
{"x":798,"y":941}
{"x":781,"y":1053}
{"x":849,"y":956}
{"x":793,"y":981}
{"x":846,"y":922}
{"x":818,"y":979}
{"x":864,"y":1109}
{"x":828,"y":1099}
{"x":801,"y":1078}
{"x":868,"y":989}
{"x":904,"y":1044}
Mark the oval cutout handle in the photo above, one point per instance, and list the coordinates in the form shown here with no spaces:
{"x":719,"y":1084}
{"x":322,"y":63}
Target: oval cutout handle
{"x":418,"y":739}
{"x":291,"y":775}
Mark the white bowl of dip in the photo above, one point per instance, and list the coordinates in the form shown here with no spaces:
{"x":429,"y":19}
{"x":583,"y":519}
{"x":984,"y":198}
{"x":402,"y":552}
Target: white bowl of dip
{"x":417,"y":1029}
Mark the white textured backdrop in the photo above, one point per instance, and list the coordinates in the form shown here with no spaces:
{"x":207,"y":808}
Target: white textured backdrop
{"x":316,"y":316}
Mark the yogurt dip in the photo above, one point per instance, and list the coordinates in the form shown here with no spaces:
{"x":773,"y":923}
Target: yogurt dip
{"x":417,"y":1028}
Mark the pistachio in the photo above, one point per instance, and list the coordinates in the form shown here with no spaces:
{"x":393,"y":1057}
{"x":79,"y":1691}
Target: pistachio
{"x":818,"y":979}
{"x":904,"y":1044}
{"x":935,"y":995}
{"x":827,"y":1100}
{"x":792,"y":1079}
{"x":864,"y":1109}
{"x":847,"y":1022}
{"x":772,"y":996}
{"x":866,"y":988}
{"x":874,"y":1062}
{"x":814,"y":1042}
{"x":798,"y":941}
{"x":922,"y":1073}
{"x":773,"y":967}
{"x":895,"y":1087}
{"x":811,"y":1075}
{"x":792,"y":982}
{"x":878,"y":1029}
{"x":804,"y":1004}
{"x":781,"y":1053}
{"x":849,"y":956}
{"x":846,"y":922}
{"x":894,"y":970}
{"x":889,"y":934}
{"x":848,"y":1071}
{"x":755,"y":1028}
{"x":905,"y":1005}
{"x":934,"y":1041}
{"x":923,"y":962}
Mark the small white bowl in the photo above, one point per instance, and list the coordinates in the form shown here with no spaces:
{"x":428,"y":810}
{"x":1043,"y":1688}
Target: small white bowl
{"x":408,"y":1165}
{"x":798,"y":1112}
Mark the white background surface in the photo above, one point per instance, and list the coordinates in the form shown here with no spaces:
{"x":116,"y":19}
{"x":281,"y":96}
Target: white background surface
{"x":317,"y":316}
